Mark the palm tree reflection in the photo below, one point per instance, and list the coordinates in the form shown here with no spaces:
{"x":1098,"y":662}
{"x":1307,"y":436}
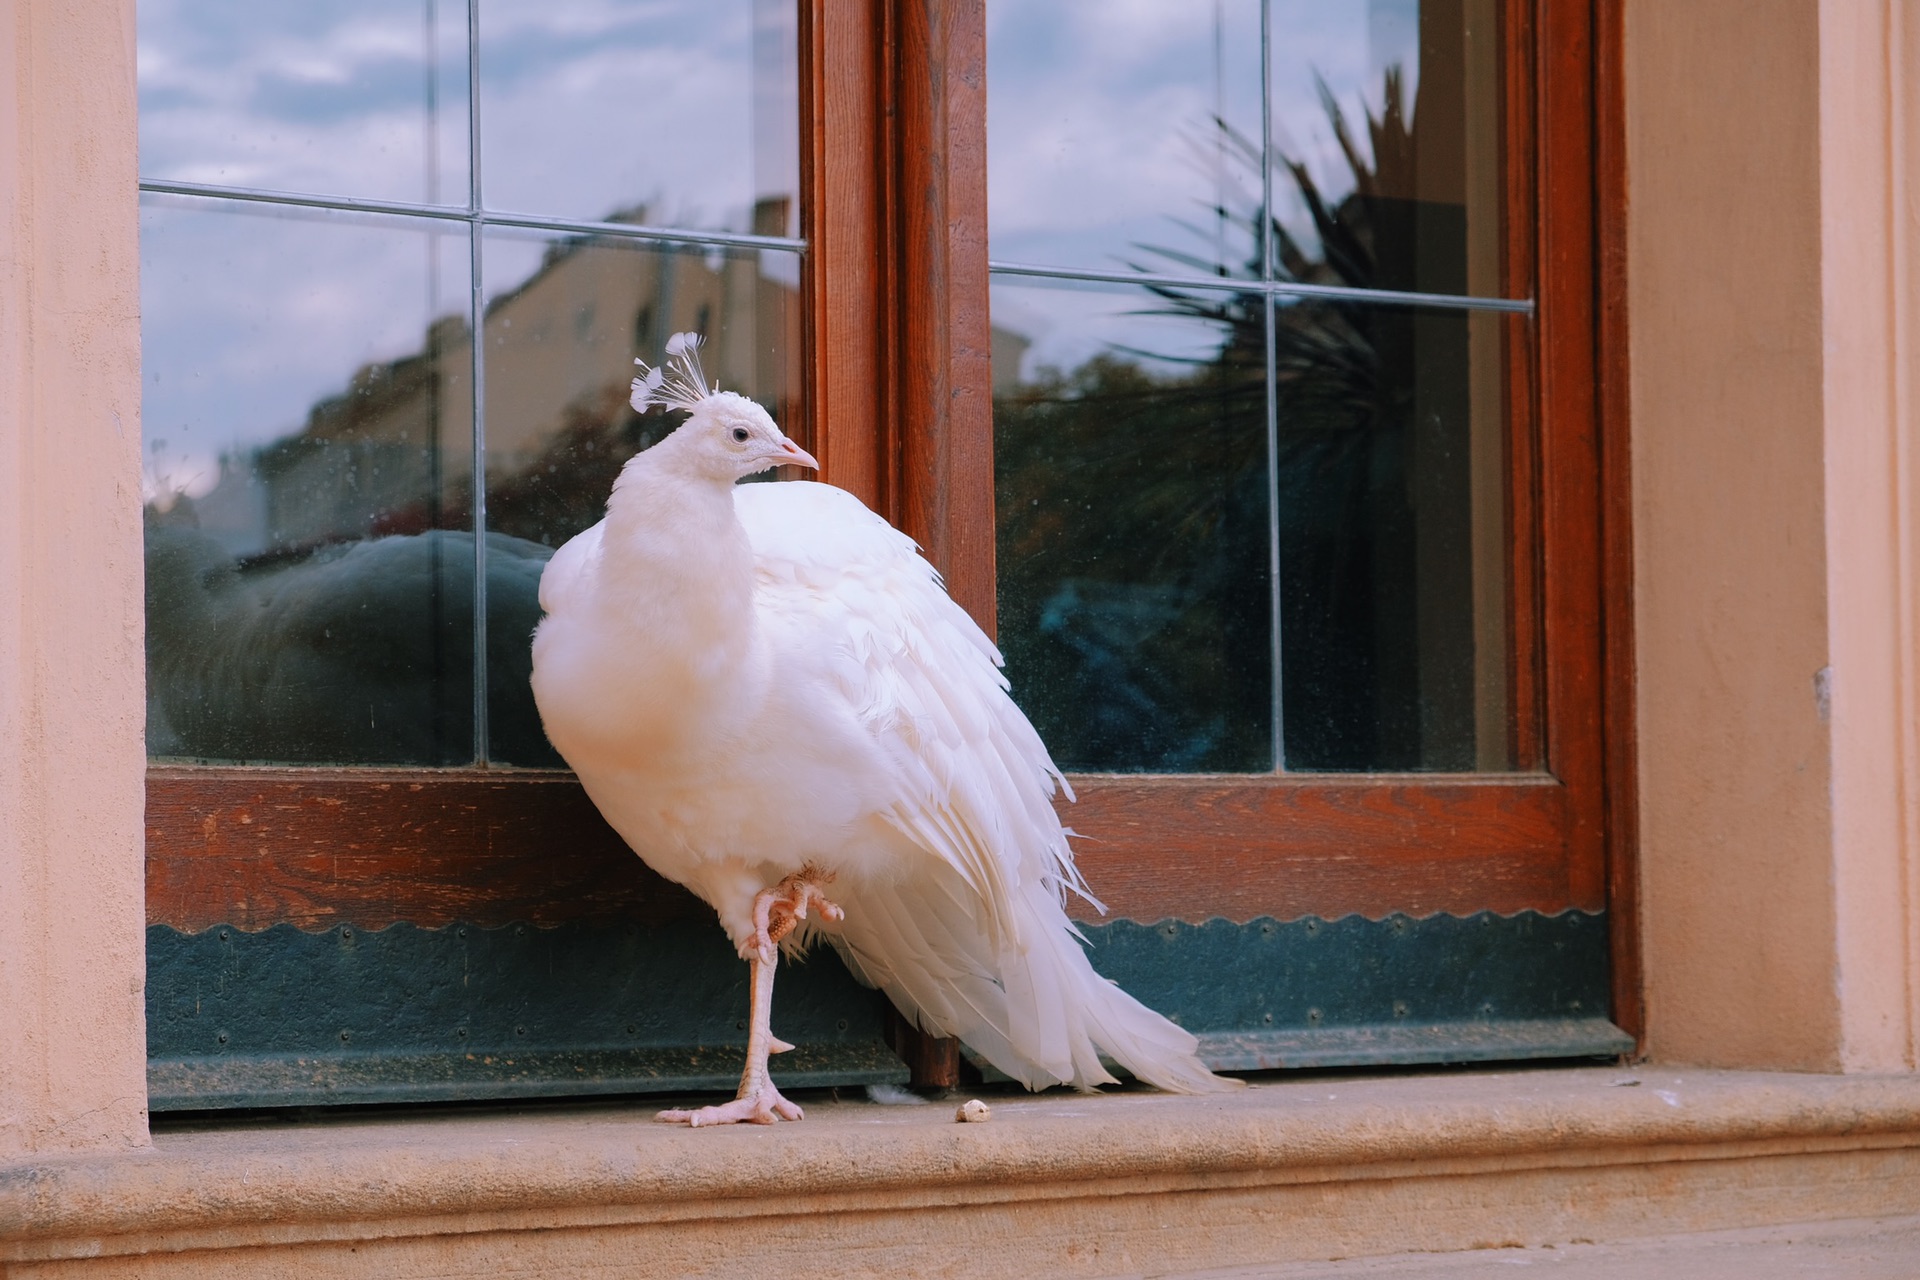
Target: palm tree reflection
{"x":1135,"y":549}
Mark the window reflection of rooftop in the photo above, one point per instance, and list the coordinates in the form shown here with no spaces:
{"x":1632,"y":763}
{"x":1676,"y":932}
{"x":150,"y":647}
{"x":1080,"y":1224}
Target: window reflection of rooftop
{"x":390,"y":452}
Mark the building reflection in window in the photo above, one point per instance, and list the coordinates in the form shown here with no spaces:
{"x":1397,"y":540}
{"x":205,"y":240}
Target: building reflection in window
{"x":316,"y":558}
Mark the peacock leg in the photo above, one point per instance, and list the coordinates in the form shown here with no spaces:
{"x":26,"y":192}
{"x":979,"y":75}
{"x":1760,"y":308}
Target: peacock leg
{"x":775,"y":913}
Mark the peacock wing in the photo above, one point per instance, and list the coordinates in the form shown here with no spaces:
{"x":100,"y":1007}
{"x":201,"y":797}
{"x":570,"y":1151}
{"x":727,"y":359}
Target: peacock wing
{"x":970,"y":781}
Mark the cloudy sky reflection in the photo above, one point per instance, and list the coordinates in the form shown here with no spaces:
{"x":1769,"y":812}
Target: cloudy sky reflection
{"x":1102,"y":146}
{"x":1100,"y":123}
{"x":351,"y":97}
{"x":250,"y":314}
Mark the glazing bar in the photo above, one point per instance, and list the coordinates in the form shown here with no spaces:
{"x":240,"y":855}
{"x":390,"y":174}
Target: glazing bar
{"x":1277,"y":665}
{"x":1278,"y":288}
{"x":476,"y":231}
{"x":461,"y":213}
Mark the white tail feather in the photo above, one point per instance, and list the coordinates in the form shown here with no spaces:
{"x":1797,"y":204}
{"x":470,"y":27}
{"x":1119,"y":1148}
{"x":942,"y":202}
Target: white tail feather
{"x":1036,"y":1011}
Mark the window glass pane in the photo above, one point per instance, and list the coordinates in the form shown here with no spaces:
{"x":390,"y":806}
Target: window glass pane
{"x":308,"y":452}
{"x":1393,"y":544}
{"x":1376,"y":438}
{"x":353,"y":97}
{"x":1125,"y":135}
{"x":565,"y":318}
{"x":670,"y":112}
{"x":1130,"y":452}
{"x":1386,"y":129}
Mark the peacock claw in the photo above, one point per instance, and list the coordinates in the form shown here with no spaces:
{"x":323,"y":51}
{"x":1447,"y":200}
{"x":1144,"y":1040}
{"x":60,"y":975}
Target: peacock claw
{"x":761,"y":1106}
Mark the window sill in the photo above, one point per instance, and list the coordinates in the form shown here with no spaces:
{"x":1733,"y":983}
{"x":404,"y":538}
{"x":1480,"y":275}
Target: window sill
{"x":1317,"y":1167}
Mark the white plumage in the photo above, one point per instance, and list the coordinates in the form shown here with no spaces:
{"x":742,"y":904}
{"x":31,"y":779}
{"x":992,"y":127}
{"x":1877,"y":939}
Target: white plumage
{"x":765,"y":685}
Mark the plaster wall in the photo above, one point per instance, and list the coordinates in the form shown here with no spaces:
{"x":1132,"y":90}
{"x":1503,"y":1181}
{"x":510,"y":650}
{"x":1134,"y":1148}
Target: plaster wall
{"x":1725,"y":310}
{"x":72,"y":757}
{"x":1870,"y":105}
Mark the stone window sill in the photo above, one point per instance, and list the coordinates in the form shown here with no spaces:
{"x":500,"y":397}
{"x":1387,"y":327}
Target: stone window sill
{"x":1303,"y":1167}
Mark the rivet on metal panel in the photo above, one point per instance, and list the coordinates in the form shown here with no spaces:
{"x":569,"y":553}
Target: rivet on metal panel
{"x":519,"y":1031}
{"x":1399,"y":1008}
{"x":222,"y":1037}
{"x":1313,"y":1017}
{"x":1267,"y":1018}
{"x":345,"y":1036}
{"x":460,"y":1033}
{"x":1313,"y":926}
{"x":631,"y":1029}
{"x":223,"y":935}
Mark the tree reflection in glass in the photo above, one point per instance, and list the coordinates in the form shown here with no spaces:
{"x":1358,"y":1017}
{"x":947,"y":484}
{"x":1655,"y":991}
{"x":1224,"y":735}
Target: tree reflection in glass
{"x":1135,"y":546}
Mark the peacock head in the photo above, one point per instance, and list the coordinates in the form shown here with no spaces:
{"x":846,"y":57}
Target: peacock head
{"x":726,"y":436}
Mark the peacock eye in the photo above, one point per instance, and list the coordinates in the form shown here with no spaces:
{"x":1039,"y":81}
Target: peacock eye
{"x":740,"y":435}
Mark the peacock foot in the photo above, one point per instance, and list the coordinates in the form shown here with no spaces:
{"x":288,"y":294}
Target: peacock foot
{"x":762,"y":1105}
{"x":778,"y":910}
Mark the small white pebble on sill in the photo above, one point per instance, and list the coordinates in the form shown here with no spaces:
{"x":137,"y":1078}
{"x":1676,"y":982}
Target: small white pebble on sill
{"x":973,"y":1111}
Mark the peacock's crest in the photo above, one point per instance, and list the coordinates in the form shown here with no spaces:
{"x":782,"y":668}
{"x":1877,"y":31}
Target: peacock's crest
{"x":676,"y":382}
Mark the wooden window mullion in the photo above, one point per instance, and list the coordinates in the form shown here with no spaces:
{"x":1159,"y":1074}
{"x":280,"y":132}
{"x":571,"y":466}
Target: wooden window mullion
{"x":943,"y":355}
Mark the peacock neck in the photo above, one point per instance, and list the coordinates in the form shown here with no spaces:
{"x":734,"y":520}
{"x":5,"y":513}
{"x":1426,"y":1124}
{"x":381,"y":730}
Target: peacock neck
{"x":677,"y":571}
{"x":679,"y":537}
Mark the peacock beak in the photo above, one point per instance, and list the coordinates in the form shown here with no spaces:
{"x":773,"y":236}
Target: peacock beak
{"x":792,"y":454}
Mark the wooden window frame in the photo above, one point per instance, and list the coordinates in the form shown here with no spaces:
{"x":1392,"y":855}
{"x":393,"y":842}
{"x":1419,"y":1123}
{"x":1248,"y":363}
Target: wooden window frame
{"x":900,"y":413}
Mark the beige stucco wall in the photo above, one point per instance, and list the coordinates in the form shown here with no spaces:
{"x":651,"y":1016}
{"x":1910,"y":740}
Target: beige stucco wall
{"x":72,"y":760}
{"x":1870,"y":105}
{"x":1772,"y":509}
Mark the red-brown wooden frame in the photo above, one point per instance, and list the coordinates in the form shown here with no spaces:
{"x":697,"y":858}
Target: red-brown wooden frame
{"x":894,"y":178}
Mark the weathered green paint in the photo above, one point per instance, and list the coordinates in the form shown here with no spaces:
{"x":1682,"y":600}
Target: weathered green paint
{"x":285,"y":1018}
{"x":1349,"y":992}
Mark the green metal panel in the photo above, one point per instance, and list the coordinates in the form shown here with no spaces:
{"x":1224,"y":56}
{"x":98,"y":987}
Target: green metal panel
{"x":1351,"y":992}
{"x":283,"y":1018}
{"x":404,"y":1014}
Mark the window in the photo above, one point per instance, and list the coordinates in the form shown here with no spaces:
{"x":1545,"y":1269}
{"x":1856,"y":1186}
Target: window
{"x":1292,"y":524}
